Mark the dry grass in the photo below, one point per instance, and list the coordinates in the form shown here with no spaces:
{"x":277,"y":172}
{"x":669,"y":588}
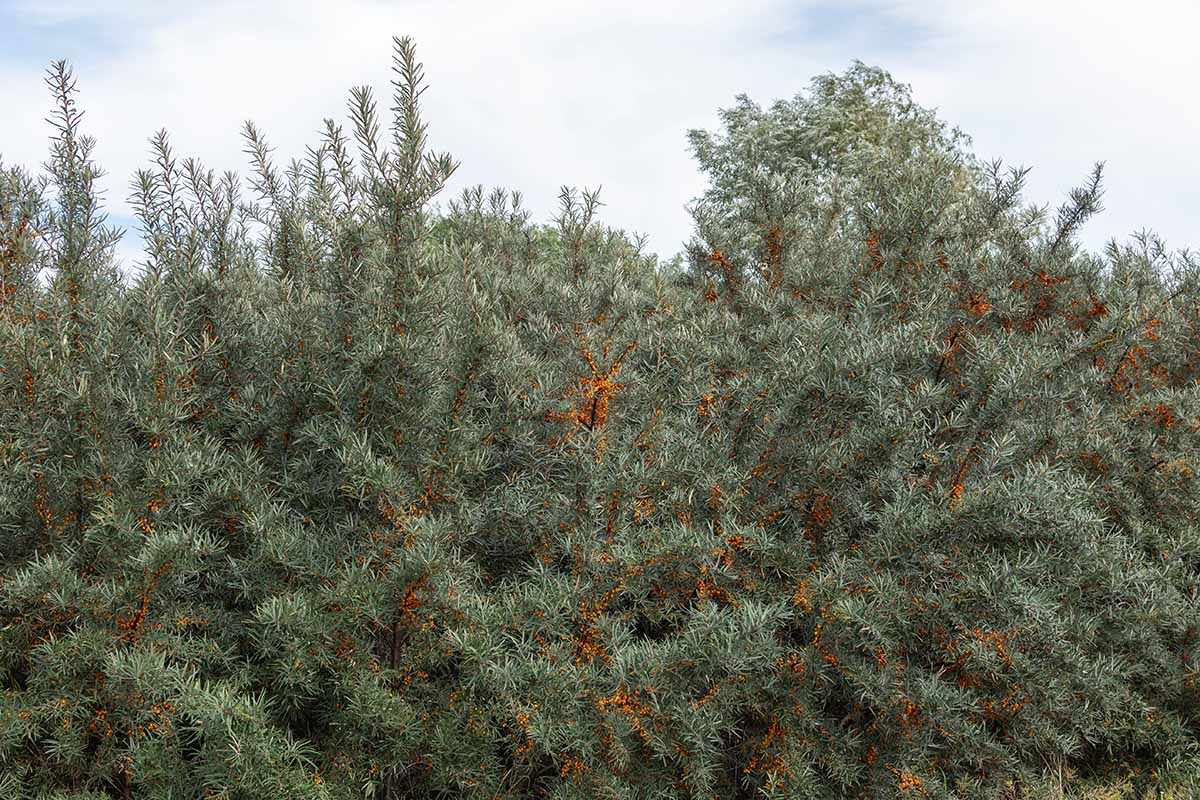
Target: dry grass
{"x":1180,"y":784}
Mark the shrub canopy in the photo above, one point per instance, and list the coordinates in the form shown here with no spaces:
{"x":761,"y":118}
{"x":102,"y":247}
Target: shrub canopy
{"x":884,"y":490}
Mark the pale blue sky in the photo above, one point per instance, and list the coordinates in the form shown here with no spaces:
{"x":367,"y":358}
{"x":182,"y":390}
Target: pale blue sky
{"x":534,"y":95}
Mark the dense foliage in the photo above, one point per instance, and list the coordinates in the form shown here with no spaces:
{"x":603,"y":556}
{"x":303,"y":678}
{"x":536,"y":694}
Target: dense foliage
{"x":885,"y":490}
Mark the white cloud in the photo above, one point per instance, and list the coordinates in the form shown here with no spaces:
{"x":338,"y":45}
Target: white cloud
{"x":534,"y":95}
{"x":1060,"y":85}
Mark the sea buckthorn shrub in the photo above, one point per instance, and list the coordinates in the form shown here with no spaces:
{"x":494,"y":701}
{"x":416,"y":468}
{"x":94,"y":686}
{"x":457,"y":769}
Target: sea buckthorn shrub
{"x":882,"y":488}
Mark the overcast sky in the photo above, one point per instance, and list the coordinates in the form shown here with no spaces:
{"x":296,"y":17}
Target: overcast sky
{"x":534,"y":95}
